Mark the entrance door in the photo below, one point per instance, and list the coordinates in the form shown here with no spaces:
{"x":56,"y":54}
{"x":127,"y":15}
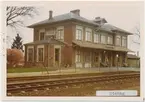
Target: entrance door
{"x":57,"y":56}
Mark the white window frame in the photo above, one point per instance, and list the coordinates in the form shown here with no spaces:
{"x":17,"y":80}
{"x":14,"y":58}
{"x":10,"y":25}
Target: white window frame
{"x":103,"y":41}
{"x":124,"y":41}
{"x":110,"y":39}
{"x":40,"y":46}
{"x":88,"y":34}
{"x":60,"y":36}
{"x":96,"y":38}
{"x":41,"y":31}
{"x":77,"y":36}
{"x":118,"y":43}
{"x":30,"y":47}
{"x":78,"y":56}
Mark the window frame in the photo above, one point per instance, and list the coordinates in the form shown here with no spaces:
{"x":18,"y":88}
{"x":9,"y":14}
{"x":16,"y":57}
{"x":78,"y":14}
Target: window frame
{"x":60,"y":33}
{"x":96,"y":38}
{"x":79,"y":36}
{"x":78,"y":56}
{"x":103,"y":39}
{"x":41,"y":31}
{"x":111,"y":40}
{"x":30,"y":47}
{"x":124,"y":41}
{"x":118,"y":43}
{"x":38,"y":47}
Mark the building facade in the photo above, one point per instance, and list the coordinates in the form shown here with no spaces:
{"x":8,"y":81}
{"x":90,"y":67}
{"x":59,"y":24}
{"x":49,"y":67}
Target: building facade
{"x":72,"y":40}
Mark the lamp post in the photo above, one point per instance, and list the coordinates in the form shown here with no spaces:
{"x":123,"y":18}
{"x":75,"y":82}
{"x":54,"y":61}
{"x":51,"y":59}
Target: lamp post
{"x":117,"y":62}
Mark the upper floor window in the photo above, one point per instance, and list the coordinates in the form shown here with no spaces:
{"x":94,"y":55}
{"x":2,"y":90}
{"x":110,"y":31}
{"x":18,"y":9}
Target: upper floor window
{"x":118,"y":40}
{"x":124,"y":41}
{"x":88,"y":36}
{"x":79,"y":34}
{"x":42,"y":34}
{"x":110,"y":39}
{"x":96,"y":38}
{"x":50,"y":33}
{"x":103,"y":39}
{"x":60,"y":33}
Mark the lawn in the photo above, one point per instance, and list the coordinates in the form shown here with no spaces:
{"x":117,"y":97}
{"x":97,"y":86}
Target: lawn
{"x":22,"y":70}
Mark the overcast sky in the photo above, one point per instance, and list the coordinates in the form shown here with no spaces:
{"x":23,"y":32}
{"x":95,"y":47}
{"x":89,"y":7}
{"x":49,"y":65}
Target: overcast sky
{"x":125,"y":15}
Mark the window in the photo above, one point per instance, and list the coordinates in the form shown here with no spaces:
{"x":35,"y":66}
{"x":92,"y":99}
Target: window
{"x":87,"y":57}
{"x":124,"y":41}
{"x":96,"y":38}
{"x":40,"y":54}
{"x":30,"y":54}
{"x":41,"y":36}
{"x":88,"y":36}
{"x":118,"y":41}
{"x":110,"y":40}
{"x":60,"y":33}
{"x":79,"y":34}
{"x":103,"y":39}
{"x":78,"y":56}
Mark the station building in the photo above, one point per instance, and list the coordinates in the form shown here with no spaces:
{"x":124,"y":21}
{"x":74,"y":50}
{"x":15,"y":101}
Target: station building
{"x":72,"y":40}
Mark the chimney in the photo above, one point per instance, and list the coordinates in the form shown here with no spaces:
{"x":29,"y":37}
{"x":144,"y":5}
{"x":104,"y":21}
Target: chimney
{"x":77,"y":12}
{"x":50,"y":14}
{"x":100,"y":20}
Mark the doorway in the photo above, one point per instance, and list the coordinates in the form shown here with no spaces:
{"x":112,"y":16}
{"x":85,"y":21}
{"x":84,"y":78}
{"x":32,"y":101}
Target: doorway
{"x":57,"y":56}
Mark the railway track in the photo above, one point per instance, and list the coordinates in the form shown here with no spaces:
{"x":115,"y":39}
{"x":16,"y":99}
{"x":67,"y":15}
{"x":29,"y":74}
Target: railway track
{"x":46,"y":84}
{"x":18,"y":79}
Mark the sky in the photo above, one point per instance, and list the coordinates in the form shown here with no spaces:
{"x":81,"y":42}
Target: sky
{"x":125,"y":15}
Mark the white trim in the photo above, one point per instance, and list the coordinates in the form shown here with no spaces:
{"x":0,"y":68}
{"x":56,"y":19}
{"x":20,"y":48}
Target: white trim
{"x":40,"y":46}
{"x":60,"y":28}
{"x":91,"y":34}
{"x":41,"y":31}
{"x":28,"y":47}
{"x":80,"y":28}
{"x":59,"y":47}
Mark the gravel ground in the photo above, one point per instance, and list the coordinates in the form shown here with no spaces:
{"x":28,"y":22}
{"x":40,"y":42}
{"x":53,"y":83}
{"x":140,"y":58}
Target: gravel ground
{"x":87,"y":89}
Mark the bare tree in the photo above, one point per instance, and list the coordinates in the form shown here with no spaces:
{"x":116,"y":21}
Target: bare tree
{"x":15,"y":15}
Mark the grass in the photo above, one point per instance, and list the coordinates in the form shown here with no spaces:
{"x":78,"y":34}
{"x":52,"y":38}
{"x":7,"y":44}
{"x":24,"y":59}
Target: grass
{"x":23,"y":70}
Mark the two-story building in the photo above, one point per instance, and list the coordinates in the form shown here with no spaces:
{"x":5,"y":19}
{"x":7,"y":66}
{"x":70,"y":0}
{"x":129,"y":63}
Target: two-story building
{"x":70,"y":39}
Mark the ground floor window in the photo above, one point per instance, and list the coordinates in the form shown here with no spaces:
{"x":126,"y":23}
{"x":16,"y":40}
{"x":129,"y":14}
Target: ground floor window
{"x":30,"y":54}
{"x":40,"y":54}
{"x":87,"y":56}
{"x":78,"y":56}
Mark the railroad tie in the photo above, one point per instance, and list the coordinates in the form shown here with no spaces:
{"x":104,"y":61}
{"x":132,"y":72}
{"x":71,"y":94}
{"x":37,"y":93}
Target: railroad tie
{"x":23,"y":92}
{"x":47,"y":89}
{"x":35,"y":90}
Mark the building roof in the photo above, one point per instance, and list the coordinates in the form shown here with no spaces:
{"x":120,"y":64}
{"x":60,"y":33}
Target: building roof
{"x":131,"y":56}
{"x":51,"y":41}
{"x":111,"y":28}
{"x":64,"y":17}
{"x":100,"y":46}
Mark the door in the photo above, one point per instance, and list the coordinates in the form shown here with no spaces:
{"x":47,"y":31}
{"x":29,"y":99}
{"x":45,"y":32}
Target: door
{"x":57,"y":56}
